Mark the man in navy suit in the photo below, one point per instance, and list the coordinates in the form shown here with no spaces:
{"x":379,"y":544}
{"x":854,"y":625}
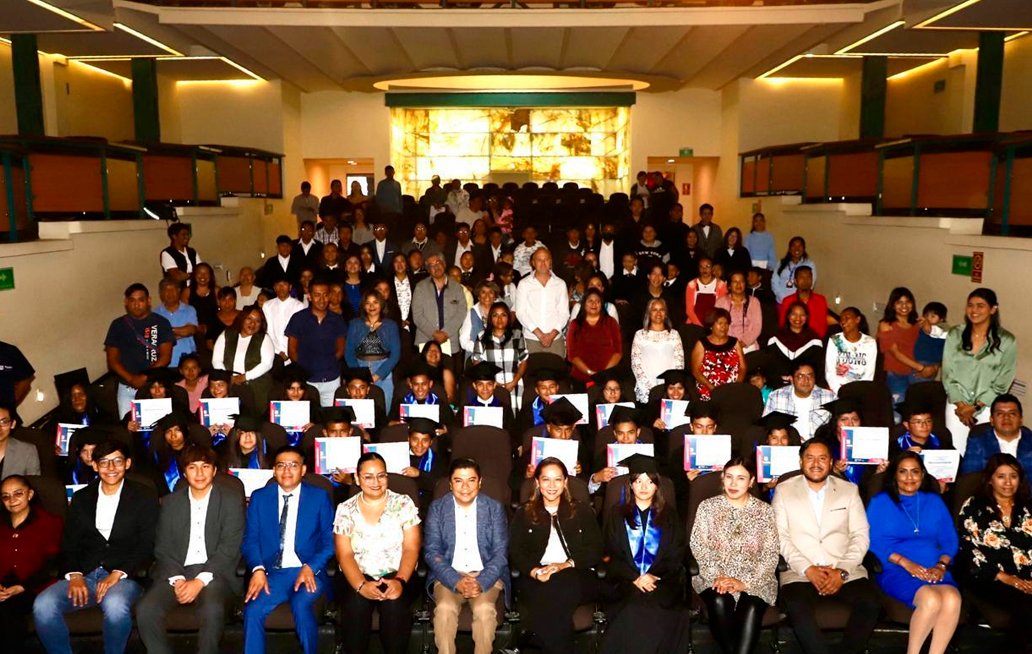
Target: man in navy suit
{"x":466,"y":541}
{"x":287,"y":543}
{"x":383,"y":249}
{"x":1005,"y":433}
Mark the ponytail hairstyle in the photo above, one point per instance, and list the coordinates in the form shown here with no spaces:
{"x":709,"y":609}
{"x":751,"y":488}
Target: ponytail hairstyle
{"x":787,"y":259}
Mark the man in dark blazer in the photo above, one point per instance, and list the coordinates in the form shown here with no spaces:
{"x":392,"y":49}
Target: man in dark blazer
{"x":108,"y":538}
{"x":711,"y":239}
{"x":197,"y":548}
{"x":1004,"y":429}
{"x":383,"y":249}
{"x":306,"y":248}
{"x":284,"y":262}
{"x":474,"y":570}
{"x":287,"y":544}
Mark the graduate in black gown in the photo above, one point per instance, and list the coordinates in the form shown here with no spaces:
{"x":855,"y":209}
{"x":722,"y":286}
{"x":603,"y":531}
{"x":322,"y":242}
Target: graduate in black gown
{"x":645,"y":542}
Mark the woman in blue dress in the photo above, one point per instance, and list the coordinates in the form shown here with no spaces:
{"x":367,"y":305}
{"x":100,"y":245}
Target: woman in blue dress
{"x":913,"y":535}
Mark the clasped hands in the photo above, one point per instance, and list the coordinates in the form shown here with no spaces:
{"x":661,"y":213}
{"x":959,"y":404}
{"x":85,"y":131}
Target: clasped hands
{"x":468,"y":587}
{"x":646,"y":583}
{"x":932,"y":575}
{"x":826,"y":579}
{"x":544,"y":573}
{"x":724,"y":584}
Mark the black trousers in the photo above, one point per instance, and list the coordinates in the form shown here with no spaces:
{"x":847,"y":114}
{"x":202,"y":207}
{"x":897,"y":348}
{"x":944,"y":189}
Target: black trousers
{"x":801,"y":601}
{"x":550,"y":606}
{"x":14,"y":619}
{"x":735,"y":626}
{"x":356,"y":620}
{"x":160,"y":599}
{"x":1014,"y":602}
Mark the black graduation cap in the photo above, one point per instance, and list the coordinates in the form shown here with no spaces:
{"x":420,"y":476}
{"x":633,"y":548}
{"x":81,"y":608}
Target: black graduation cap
{"x":220,"y":375}
{"x":279,"y":276}
{"x":166,"y":376}
{"x":64,"y":381}
{"x":483,"y":371}
{"x":174,"y":419}
{"x":420,"y":368}
{"x":561,"y":412}
{"x":674,"y":376}
{"x":338,"y":414}
{"x":776,"y":420}
{"x":548,"y":374}
{"x":623,"y":414}
{"x":423,"y":426}
{"x":603,"y":376}
{"x":363,"y":374}
{"x":290,"y":374}
{"x":247,"y":422}
{"x":88,"y":436}
{"x":637,"y":464}
{"x":842,"y":406}
{"x":913,"y":408}
{"x":701,"y":409}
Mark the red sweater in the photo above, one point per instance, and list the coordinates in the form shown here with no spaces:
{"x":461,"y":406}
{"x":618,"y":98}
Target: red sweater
{"x":818,"y":306}
{"x":26,"y":551}
{"x":593,"y":345}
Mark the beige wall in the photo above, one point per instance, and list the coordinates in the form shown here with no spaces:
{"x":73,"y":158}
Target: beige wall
{"x":787,"y":111}
{"x":242,"y":113}
{"x":662,"y":123}
{"x":1016,"y":96}
{"x":913,"y":106}
{"x":69,"y":288}
{"x":91,"y":103}
{"x":8,"y":115}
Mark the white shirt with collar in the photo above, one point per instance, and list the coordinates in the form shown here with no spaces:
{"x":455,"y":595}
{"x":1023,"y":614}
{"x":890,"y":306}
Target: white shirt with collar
{"x":277,"y":315}
{"x":607,"y":258}
{"x":467,"y":549}
{"x":107,"y":507}
{"x":290,"y":559}
{"x":306,"y":247}
{"x":1008,"y":447}
{"x":817,"y":500}
{"x":284,"y":261}
{"x":545,"y":307}
{"x":461,"y":249}
{"x":381,"y":248}
{"x":495,"y":253}
{"x":196,"y":549}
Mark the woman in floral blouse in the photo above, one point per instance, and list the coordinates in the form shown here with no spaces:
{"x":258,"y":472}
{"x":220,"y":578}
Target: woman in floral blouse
{"x":995,"y":561}
{"x":735,"y":541}
{"x":377,"y":542}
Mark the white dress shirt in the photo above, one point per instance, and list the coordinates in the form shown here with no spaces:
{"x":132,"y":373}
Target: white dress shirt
{"x":381,"y":247}
{"x":277,"y":315}
{"x":554,"y":552}
{"x":803,"y":407}
{"x":290,"y":559}
{"x":107,"y":507}
{"x":284,"y":261}
{"x":196,"y":549}
{"x":607,"y":258}
{"x":460,"y":250}
{"x":238,"y":365}
{"x":817,"y":501}
{"x":306,"y":247}
{"x":545,"y":307}
{"x":1009,"y":447}
{"x":467,"y":550}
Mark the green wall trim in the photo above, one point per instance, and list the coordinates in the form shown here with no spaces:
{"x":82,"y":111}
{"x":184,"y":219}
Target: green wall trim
{"x":873,"y":90}
{"x":988,"y":82}
{"x":28,"y":94}
{"x":146,"y":122}
{"x":513,"y":99}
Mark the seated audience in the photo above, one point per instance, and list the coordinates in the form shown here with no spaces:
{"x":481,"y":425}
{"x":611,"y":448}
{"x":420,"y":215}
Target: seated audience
{"x":196,"y":551}
{"x":286,"y":547}
{"x":824,"y":535}
{"x":466,"y":547}
{"x":30,"y":540}
{"x":171,"y":437}
{"x":978,"y":364}
{"x":79,"y":463}
{"x":644,"y":540}
{"x":426,"y":464}
{"x":735,"y":541}
{"x":913,"y":536}
{"x":245,"y":447}
{"x":376,"y":537}
{"x":675,"y":387}
{"x":918,"y":433}
{"x":995,"y":559}
{"x":554,"y":542}
{"x":717,"y":358}
{"x":107,"y":544}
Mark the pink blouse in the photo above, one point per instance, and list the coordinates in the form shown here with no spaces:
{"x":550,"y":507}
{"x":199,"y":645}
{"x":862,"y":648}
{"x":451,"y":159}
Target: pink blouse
{"x":745,"y":323}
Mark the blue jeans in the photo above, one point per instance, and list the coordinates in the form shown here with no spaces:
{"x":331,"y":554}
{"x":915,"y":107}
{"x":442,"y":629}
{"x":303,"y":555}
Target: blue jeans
{"x":898,"y":383}
{"x":386,"y":381}
{"x":52,"y":604}
{"x":302,"y":605}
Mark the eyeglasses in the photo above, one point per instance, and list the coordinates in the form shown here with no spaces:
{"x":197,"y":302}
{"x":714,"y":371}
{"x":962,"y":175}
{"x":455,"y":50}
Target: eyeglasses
{"x":104,"y":464}
{"x":5,"y":421}
{"x":921,"y":421}
{"x":16,"y":495}
{"x":371,"y":478}
{"x":287,"y":465}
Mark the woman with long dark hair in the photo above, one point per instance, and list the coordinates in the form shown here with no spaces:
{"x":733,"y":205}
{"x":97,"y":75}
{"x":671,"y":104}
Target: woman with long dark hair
{"x":796,"y":340}
{"x":645,"y":542}
{"x":913,"y":536}
{"x":995,"y":560}
{"x":246,"y":351}
{"x":502,"y":344}
{"x":554,"y":542}
{"x":717,"y":358}
{"x":735,"y":541}
{"x":245,"y":447}
{"x":897,"y":333}
{"x":593,"y":339}
{"x":978,"y":363}
{"x":203,"y":297}
{"x":171,"y":437}
{"x":733,"y":257}
{"x":657,"y":347}
{"x":783,"y":280}
{"x":746,"y":314}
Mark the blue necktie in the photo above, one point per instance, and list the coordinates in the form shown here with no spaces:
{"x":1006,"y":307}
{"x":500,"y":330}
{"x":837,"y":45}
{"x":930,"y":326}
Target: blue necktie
{"x":282,"y":530}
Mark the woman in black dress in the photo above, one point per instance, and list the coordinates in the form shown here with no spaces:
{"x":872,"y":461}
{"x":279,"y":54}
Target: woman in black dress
{"x":554,"y":542}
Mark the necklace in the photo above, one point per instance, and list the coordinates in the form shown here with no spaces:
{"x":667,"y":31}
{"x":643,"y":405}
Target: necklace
{"x":363,"y":500}
{"x":917,"y":525}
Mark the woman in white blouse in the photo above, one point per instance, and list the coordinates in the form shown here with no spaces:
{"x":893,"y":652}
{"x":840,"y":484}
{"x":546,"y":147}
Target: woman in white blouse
{"x":657,"y":347}
{"x":246,"y":350}
{"x":376,"y":535}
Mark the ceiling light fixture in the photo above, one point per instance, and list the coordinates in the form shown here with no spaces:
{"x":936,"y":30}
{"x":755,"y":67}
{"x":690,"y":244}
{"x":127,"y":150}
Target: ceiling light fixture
{"x":143,"y":37}
{"x":102,"y":71}
{"x":255,"y":76}
{"x":1016,"y":36}
{"x":870,"y":37}
{"x":946,"y":12}
{"x":66,"y":14}
{"x":916,"y":69}
{"x":780,"y":66}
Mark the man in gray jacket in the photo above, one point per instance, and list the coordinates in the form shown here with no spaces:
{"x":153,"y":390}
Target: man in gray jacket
{"x":16,"y":457}
{"x":438,"y":308}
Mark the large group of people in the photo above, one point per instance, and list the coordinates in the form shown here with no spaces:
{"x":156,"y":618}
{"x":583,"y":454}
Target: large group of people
{"x":469,"y":306}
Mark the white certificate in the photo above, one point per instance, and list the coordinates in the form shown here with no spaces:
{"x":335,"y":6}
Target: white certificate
{"x":252,"y":478}
{"x":395,"y":455}
{"x":490,"y":416}
{"x":603,"y":411}
{"x":579,"y":401}
{"x":565,"y":451}
{"x":617,"y":452}
{"x":219,"y":410}
{"x":942,"y":464}
{"x":865,"y":445}
{"x":333,"y":454}
{"x":706,"y":452}
{"x":365,"y":411}
{"x":148,"y":412}
{"x":673,"y":413}
{"x":431,"y":411}
{"x":64,"y":436}
{"x":772,"y":461}
{"x":290,"y":415}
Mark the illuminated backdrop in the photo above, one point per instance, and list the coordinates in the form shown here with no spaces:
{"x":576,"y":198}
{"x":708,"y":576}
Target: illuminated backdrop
{"x":589,"y":146}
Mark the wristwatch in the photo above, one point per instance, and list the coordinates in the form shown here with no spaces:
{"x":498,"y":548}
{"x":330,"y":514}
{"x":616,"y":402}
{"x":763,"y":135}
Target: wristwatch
{"x":843,"y":574}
